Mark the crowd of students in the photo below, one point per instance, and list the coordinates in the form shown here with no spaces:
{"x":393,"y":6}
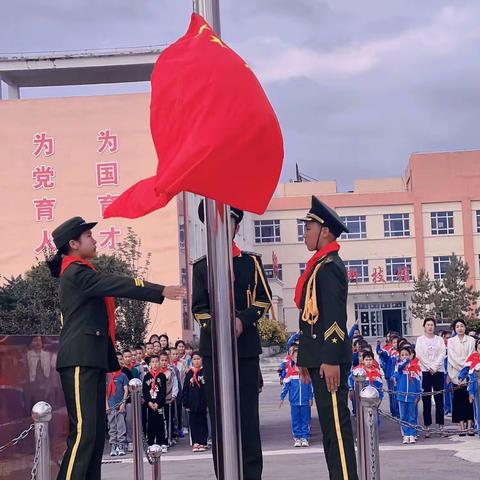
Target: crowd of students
{"x":173,"y":396}
{"x":439,"y":366}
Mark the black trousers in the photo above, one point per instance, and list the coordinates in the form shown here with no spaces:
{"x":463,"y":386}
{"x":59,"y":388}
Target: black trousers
{"x":156,"y":427}
{"x":178,"y":408}
{"x":249,"y":415}
{"x":198,"y":427}
{"x":336,"y":426}
{"x":84,"y":389}
{"x":432,"y":383}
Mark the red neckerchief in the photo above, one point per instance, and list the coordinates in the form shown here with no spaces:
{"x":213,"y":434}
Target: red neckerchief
{"x":155,"y":375}
{"x":472,"y":361}
{"x":320,"y":254}
{"x":109,"y":301}
{"x":372,"y":374}
{"x":127,"y":367}
{"x":413,"y":368}
{"x":112,"y":388}
{"x":195,"y":371}
{"x":235,"y":250}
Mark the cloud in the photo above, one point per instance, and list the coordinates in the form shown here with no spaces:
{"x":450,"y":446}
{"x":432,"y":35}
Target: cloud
{"x":279,"y":59}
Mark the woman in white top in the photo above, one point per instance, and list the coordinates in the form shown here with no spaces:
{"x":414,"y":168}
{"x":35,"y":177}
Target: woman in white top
{"x":459,"y":348}
{"x":431,"y":351}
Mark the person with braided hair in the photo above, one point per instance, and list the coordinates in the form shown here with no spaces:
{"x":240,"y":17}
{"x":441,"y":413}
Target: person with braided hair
{"x":325,"y":350}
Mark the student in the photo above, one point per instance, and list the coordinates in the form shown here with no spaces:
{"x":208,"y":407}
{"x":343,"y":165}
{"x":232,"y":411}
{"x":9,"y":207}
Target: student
{"x":164,"y":342}
{"x":117,"y":393}
{"x":374,"y":377}
{"x":179,"y":368}
{"x":154,"y":391}
{"x":195,"y":401}
{"x":171,"y":395}
{"x":300,"y":396}
{"x":408,"y":376}
{"x":447,"y":386}
{"x":388,"y":357}
{"x":86,"y":347}
{"x":468,"y":372}
{"x":148,"y":352}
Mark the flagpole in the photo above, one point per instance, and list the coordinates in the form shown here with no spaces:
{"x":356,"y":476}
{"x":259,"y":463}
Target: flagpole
{"x":224,"y":341}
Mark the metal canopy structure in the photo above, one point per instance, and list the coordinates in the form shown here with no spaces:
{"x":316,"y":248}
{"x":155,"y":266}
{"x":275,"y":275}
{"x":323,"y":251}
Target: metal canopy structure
{"x":48,"y":69}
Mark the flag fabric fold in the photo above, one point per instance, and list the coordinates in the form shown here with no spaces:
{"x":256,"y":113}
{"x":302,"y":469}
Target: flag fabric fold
{"x":213,"y":127}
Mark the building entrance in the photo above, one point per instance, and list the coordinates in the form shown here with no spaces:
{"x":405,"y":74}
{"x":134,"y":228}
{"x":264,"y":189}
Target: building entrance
{"x":378,"y":318}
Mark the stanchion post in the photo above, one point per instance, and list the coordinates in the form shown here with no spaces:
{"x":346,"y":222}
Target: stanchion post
{"x":476,"y":399}
{"x":369,"y":403}
{"x":135,"y":388}
{"x":41,"y":415}
{"x":359,"y":377}
{"x":155,"y":452}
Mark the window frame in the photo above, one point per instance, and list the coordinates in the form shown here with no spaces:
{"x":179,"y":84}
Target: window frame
{"x":390,"y":264}
{"x":438,"y":261}
{"x":387,"y":220}
{"x":448,"y":217}
{"x":363,"y":266}
{"x":350,"y":220}
{"x":262,"y":239}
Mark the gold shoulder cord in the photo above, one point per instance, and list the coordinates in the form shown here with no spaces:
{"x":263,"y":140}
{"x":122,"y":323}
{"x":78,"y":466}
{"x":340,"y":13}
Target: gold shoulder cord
{"x":310,"y":312}
{"x":258,"y":272}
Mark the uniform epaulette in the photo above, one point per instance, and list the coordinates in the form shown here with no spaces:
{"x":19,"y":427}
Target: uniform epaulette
{"x":252,"y":253}
{"x":328,"y":260}
{"x":193,"y":262}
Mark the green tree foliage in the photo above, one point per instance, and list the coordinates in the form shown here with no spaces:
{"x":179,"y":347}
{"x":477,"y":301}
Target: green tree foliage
{"x":448,"y":298}
{"x":422,"y":297}
{"x":272,"y":332}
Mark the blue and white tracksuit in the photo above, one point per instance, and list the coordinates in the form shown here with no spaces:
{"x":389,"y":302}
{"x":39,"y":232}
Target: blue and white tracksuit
{"x":409,"y":389}
{"x":299,"y":394}
{"x":388,"y":361}
{"x":374,"y":379}
{"x":468,"y":372}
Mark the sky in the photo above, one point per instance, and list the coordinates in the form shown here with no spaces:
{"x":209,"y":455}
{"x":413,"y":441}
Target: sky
{"x":357,"y":86}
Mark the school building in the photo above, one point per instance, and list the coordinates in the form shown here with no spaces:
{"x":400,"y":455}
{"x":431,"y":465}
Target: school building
{"x":398,"y":226}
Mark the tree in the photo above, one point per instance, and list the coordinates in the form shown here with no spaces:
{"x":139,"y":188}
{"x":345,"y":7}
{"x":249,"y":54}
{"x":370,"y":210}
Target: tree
{"x":422,"y":297}
{"x":452,"y":298}
{"x":272,"y":332}
{"x":29,"y":304}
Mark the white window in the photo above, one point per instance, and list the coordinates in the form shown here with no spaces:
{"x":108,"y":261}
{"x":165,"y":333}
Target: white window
{"x":478,"y":221}
{"x":440,"y":266}
{"x":300,"y":230}
{"x":267,"y":231}
{"x":357,"y":225}
{"x":399,"y":269}
{"x":357,"y":271}
{"x":302,"y":267}
{"x":442,"y":223}
{"x":269,"y":272}
{"x":396,"y":225}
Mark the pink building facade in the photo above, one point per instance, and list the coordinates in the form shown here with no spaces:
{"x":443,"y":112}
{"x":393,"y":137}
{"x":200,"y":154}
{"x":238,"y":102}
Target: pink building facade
{"x":398,"y":227}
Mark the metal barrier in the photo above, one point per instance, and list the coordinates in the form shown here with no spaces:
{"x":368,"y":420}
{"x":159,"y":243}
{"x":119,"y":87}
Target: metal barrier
{"x":155,"y":453}
{"x":135,"y":387}
{"x":41,"y":415}
{"x":359,"y":377}
{"x":368,"y":455}
{"x":476,"y":400}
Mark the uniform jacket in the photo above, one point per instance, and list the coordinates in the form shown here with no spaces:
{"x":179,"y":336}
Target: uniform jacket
{"x":409,"y":380}
{"x":388,"y":359}
{"x":326,"y":341}
{"x":251,"y":302}
{"x":299,"y":393}
{"x":193,"y":394}
{"x":84,"y":339}
{"x":158,"y":394}
{"x":468,"y":372}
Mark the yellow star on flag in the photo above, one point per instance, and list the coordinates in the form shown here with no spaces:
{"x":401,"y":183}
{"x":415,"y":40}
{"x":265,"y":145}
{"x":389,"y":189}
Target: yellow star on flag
{"x":215,"y":39}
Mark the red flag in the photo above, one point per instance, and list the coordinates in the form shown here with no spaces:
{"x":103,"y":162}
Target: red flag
{"x":214,"y":129}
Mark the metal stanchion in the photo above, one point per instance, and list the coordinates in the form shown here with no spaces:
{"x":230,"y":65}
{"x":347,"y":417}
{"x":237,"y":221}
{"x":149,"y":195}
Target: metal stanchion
{"x":359,"y":377}
{"x":135,"y":387}
{"x":41,"y":415}
{"x":476,"y":400}
{"x":155,"y":452}
{"x":369,"y":403}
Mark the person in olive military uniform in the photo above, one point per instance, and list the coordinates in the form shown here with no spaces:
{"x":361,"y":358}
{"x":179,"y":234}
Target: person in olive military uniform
{"x":86,"y":350}
{"x":325,"y":352}
{"x":252,"y":301}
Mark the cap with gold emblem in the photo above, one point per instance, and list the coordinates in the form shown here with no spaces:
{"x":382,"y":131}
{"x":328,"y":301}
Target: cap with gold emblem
{"x":69,"y":230}
{"x":326,"y":216}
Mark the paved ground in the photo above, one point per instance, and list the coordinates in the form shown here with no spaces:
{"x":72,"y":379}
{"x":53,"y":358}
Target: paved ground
{"x":428,"y":459}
